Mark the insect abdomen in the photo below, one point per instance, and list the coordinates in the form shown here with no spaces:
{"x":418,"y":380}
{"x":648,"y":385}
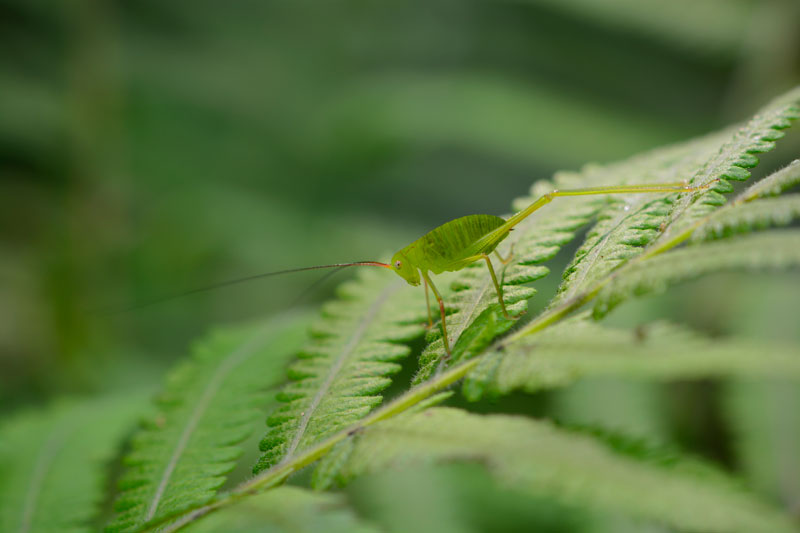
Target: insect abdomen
{"x":451,"y":242}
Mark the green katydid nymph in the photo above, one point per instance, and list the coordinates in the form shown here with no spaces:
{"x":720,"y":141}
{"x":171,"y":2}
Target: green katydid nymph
{"x":455,"y":244}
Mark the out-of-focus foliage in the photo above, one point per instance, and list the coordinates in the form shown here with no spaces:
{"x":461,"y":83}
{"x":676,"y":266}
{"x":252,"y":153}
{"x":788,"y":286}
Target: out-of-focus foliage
{"x":148,"y":148}
{"x":287,"y":510}
{"x":54,"y":463}
{"x":535,"y":457}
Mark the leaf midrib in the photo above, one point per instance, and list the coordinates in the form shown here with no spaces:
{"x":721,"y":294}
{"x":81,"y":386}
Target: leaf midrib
{"x":593,"y":255}
{"x":236,"y":358}
{"x":355,"y":338}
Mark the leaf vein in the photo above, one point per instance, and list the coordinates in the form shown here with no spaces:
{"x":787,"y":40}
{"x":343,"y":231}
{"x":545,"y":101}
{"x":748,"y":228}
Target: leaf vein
{"x":235,"y":359}
{"x":367,"y":319}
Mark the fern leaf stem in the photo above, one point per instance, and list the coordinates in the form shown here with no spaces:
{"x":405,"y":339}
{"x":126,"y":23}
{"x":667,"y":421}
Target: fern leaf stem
{"x":277,"y":474}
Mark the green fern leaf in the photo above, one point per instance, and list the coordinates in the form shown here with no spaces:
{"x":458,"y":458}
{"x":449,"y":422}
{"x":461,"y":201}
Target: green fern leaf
{"x":774,"y":184}
{"x":580,"y":348}
{"x":543,"y":460}
{"x":775,"y":249}
{"x":52,"y":462}
{"x":627,"y":227}
{"x":744,"y":214}
{"x":736,"y":156}
{"x":210,"y":404}
{"x":285,"y":510}
{"x":752,"y":216}
{"x":339,"y":374}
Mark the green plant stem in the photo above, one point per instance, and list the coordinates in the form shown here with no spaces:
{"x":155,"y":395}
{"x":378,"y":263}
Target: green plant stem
{"x":279,"y":473}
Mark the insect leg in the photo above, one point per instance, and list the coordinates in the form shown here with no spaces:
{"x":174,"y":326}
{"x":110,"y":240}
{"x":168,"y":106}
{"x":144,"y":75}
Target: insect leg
{"x":507,"y":259}
{"x":428,"y":303}
{"x":681,"y":186}
{"x":497,"y":286}
{"x":441,"y":309}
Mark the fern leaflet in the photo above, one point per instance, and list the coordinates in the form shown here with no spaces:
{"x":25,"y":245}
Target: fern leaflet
{"x":752,"y":216}
{"x":286,"y":509}
{"x":52,"y":462}
{"x":543,"y":460}
{"x":774,"y":249}
{"x":774,"y":184}
{"x":578,"y":348}
{"x":210,"y":404}
{"x":744,"y":214}
{"x":627,"y":228}
{"x":338,"y":376}
{"x":735,"y":157}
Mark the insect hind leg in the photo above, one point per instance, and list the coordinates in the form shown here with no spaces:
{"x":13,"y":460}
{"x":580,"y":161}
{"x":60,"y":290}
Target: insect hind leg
{"x":497,"y":286}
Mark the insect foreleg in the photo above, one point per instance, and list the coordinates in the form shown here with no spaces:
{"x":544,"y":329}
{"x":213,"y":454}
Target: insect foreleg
{"x":428,"y":302}
{"x":441,"y":310}
{"x":507,"y":259}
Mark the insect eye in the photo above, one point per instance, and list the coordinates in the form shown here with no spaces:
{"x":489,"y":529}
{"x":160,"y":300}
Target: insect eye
{"x":398,"y":264}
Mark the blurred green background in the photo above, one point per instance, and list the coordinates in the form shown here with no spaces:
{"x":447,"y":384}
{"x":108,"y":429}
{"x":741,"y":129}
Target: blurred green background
{"x":148,"y":148}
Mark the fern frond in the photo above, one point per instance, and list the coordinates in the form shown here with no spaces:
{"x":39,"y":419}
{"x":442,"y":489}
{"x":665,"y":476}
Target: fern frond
{"x":210,"y":404}
{"x":53,"y":462}
{"x":580,"y":348}
{"x":772,"y":249}
{"x":286,"y":509}
{"x":543,"y":460}
{"x":339,"y":375}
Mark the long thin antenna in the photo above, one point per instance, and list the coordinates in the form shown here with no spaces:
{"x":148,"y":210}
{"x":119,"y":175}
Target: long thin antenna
{"x":228,"y":283}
